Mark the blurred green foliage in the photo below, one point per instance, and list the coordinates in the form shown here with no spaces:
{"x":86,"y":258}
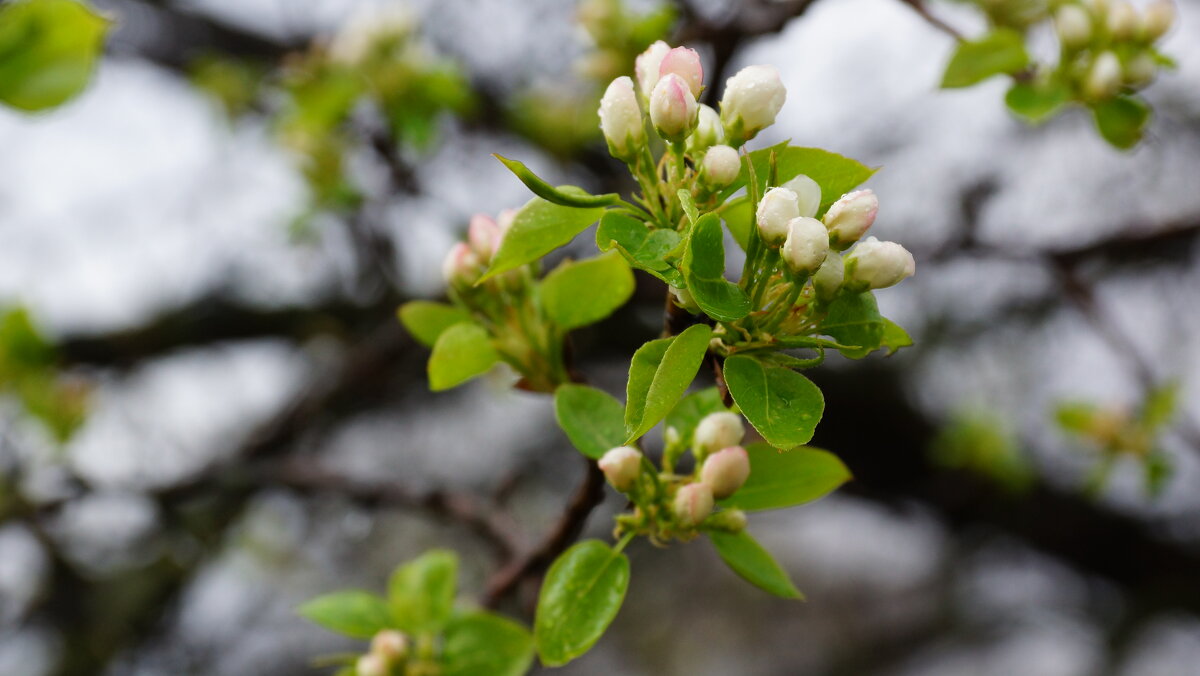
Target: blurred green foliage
{"x":48,"y":49}
{"x":980,"y":441}
{"x":28,"y":372}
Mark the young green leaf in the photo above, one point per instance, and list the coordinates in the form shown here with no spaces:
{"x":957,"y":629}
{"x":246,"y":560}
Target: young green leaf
{"x":691,"y":409}
{"x":704,"y":270}
{"x":580,"y":293}
{"x":48,"y":49}
{"x":659,"y":374}
{"x":461,"y":352}
{"x":1037,"y":101}
{"x":787,"y":478}
{"x":689,"y":205}
{"x":854,"y":319}
{"x":421,"y":592}
{"x":835,"y":174}
{"x":781,"y":404}
{"x":581,"y":595}
{"x":1121,"y":120}
{"x":537,"y":229}
{"x":738,"y":215}
{"x":754,"y":564}
{"x":354,"y":613}
{"x":426,"y":320}
{"x":593,"y":420}
{"x":568,"y":196}
{"x":1001,"y":51}
{"x":484,"y":644}
{"x":643,"y":248}
{"x":894,"y":337}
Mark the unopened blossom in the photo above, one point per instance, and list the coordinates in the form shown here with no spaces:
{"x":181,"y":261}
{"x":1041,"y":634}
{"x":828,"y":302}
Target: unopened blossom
{"x":1122,"y":20}
{"x":1104,"y":78}
{"x":483,"y":234}
{"x":719,"y":430}
{"x":621,"y":119}
{"x":461,"y":265}
{"x":621,"y":467}
{"x":806,"y":246}
{"x":1157,"y":19}
{"x":828,"y":279}
{"x":685,"y":63}
{"x":372,"y":665}
{"x":777,"y":208}
{"x":1074,"y":26}
{"x":752,"y":99}
{"x":851,"y":216}
{"x":673,"y":108}
{"x":390,"y":644}
{"x":808,"y":194}
{"x":721,"y":166}
{"x":647,"y":65}
{"x":725,"y":471}
{"x":877,"y":265}
{"x":693,"y":503}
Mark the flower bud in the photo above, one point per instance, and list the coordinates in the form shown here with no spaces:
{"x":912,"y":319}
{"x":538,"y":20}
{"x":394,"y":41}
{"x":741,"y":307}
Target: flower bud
{"x":685,"y":63}
{"x":708,"y":130}
{"x":505,"y":220}
{"x":1104,"y":79}
{"x":693,"y":503}
{"x":878,"y":265}
{"x":752,"y":99}
{"x":1140,"y":70}
{"x":777,"y":208}
{"x":850,"y":217}
{"x":1074,"y":26}
{"x":719,"y":430}
{"x":685,"y":299}
{"x":673,"y":108}
{"x":806,"y":246}
{"x":389,"y":644}
{"x":1157,"y":19}
{"x":621,"y":466}
{"x":647,"y":65}
{"x":484,"y":236}
{"x":461,"y":266}
{"x":725,"y":471}
{"x":721,"y":166}
{"x":372,"y":664}
{"x":808,"y":194}
{"x":1122,"y":21}
{"x":621,"y":119}
{"x":828,"y":280}
{"x":727,"y":521}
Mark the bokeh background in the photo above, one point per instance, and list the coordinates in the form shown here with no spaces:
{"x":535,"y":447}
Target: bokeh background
{"x":258,"y":428}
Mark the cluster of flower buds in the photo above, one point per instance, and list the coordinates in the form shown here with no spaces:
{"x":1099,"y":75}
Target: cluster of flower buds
{"x":389,"y":650}
{"x":1110,"y":44}
{"x":466,"y":261}
{"x":368,"y":28}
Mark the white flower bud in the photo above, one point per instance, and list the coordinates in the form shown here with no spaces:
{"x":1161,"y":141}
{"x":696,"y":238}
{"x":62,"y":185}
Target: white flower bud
{"x":1104,"y":79}
{"x":693,"y":503}
{"x":1074,"y":26}
{"x":647,"y":65}
{"x":372,"y":665}
{"x":685,"y":299}
{"x":752,"y":99}
{"x":621,"y":119}
{"x":1122,"y":21}
{"x":1140,"y":70}
{"x":777,"y":208}
{"x":709,"y":131}
{"x":806,"y":246}
{"x":673,"y":108}
{"x":483,"y":234}
{"x":808,"y":194}
{"x":719,"y":430}
{"x":621,"y":466}
{"x":721,"y":166}
{"x":878,"y":265}
{"x":389,"y":644}
{"x":461,"y":265}
{"x":828,"y":280}
{"x":851,"y":216}
{"x":685,"y":63}
{"x":1157,"y":19}
{"x":725,"y":471}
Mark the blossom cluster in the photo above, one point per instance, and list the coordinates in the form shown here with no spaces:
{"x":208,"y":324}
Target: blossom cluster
{"x":1108,"y":47}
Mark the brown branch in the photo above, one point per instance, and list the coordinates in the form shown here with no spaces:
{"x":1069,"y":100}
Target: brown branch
{"x":920,"y":8}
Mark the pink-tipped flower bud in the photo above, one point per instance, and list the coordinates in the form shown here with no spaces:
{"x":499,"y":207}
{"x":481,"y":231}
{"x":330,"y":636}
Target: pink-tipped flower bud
{"x":777,"y":208}
{"x":1157,"y":19}
{"x":752,"y":99}
{"x":877,"y":265}
{"x":461,"y":266}
{"x":719,"y":430}
{"x":483,"y":234}
{"x":806,"y":246}
{"x":721,"y":166}
{"x":1122,"y":21}
{"x":808,"y":194}
{"x":725,"y":471}
{"x":850,"y":217}
{"x":372,"y":665}
{"x":390,"y":644}
{"x":647,"y":65}
{"x":709,"y":131}
{"x":1074,"y":26}
{"x":621,"y":466}
{"x":828,"y":280}
{"x":693,"y":503}
{"x":685,"y":63}
{"x":673,"y":108}
{"x":621,"y":119}
{"x":1104,"y":79}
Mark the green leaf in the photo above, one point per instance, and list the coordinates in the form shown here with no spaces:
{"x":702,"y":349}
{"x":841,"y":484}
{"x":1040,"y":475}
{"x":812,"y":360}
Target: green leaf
{"x":461,"y":352}
{"x":426,"y":320}
{"x":421,"y":592}
{"x":1161,"y":405}
{"x":580,"y":597}
{"x":854,"y":319}
{"x":688,"y":204}
{"x":1121,"y":120}
{"x":754,"y":564}
{"x":48,"y":49}
{"x":894,"y":337}
{"x":580,"y":293}
{"x":593,"y":420}
{"x":787,"y":478}
{"x":568,"y":196}
{"x":642,"y":247}
{"x":704,"y":270}
{"x":1076,"y":416}
{"x":738,"y":215}
{"x":691,"y":410}
{"x":1002,"y":51}
{"x":484,"y":644}
{"x":537,"y":229}
{"x":659,"y":374}
{"x":835,"y":174}
{"x":1037,"y":101}
{"x":781,"y":404}
{"x":354,"y":613}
